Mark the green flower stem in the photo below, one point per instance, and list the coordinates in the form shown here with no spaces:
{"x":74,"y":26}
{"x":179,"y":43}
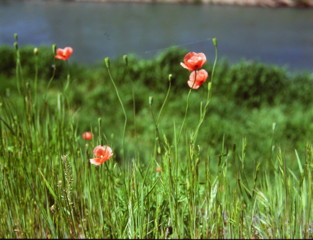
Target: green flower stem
{"x":186,"y":110}
{"x":107,"y":63}
{"x":53,"y":65}
{"x":156,"y":120}
{"x":36,"y":75}
{"x":126,"y":72}
{"x":204,"y":111}
{"x":166,"y":97}
{"x":68,"y":76}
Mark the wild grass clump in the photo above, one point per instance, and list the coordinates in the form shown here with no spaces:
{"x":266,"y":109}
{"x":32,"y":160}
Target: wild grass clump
{"x":232,"y":159}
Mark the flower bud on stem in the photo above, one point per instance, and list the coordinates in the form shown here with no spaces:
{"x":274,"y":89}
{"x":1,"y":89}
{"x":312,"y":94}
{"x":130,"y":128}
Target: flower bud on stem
{"x":150,"y":100}
{"x":107,"y":62}
{"x":16,"y":36}
{"x":54,"y":49}
{"x":125,"y":58}
{"x":36,"y":51}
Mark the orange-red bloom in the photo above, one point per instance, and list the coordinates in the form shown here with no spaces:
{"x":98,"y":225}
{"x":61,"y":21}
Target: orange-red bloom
{"x":87,"y":136}
{"x":197,"y":78}
{"x":193,"y":61}
{"x":102,"y":153}
{"x":158,"y":169}
{"x":64,"y":54}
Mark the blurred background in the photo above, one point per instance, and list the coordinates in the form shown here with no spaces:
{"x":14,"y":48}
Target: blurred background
{"x":95,"y":30}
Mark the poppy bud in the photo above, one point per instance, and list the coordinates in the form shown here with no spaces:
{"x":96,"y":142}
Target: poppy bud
{"x":36,"y":51}
{"x":170,"y":77}
{"x":214,"y":42}
{"x":15,"y":36}
{"x":87,"y":136}
{"x":125,"y":58}
{"x":150,"y":100}
{"x":54,"y":49}
{"x":273,"y":126}
{"x":107,"y":62}
{"x":16,"y":45}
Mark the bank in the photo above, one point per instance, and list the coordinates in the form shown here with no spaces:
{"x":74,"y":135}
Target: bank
{"x":262,"y":3}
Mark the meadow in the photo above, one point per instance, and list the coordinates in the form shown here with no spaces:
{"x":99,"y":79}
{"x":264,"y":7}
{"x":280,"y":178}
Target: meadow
{"x":232,"y":159}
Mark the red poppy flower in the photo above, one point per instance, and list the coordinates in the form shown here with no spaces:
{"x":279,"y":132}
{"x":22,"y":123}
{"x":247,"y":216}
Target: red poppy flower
{"x":197,"y":78}
{"x":158,"y":169}
{"x":102,"y":153}
{"x":87,"y":136}
{"x":193,"y":61}
{"x":64,"y":54}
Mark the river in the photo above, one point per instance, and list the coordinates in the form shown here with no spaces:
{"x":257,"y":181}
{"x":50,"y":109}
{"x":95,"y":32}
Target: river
{"x":283,"y":36}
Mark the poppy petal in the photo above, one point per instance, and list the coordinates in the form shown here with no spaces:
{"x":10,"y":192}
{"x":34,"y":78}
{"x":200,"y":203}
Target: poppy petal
{"x":193,"y":85}
{"x":185,"y":66}
{"x":194,"y":61}
{"x":99,"y":151}
{"x":64,"y":54}
{"x":96,"y":161}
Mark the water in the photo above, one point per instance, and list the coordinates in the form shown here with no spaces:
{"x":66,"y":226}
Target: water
{"x":96,"y":30}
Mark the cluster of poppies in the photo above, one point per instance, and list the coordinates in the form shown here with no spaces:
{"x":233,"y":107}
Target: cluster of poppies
{"x":192,"y":62}
{"x":102,"y":153}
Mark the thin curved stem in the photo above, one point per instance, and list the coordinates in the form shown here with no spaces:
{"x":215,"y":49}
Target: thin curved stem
{"x":126,"y":71}
{"x":36,"y":78}
{"x":187,"y":107}
{"x":52,"y":77}
{"x":68,"y":76}
{"x":124,"y":112}
{"x":186,"y":111}
{"x":157,"y":133}
{"x":203,"y":113}
{"x":166,"y":97}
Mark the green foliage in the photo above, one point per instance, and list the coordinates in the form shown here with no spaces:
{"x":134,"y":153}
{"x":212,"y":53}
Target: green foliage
{"x":253,"y":84}
{"x":248,"y":95}
{"x":242,"y":178}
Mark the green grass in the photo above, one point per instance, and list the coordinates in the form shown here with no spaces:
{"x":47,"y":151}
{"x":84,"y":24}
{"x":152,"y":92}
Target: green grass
{"x":248,"y":175}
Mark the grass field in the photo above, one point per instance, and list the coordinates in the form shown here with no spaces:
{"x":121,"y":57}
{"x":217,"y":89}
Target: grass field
{"x":233,"y":159}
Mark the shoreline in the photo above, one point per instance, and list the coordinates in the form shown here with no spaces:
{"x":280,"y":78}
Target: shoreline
{"x":257,"y":3}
